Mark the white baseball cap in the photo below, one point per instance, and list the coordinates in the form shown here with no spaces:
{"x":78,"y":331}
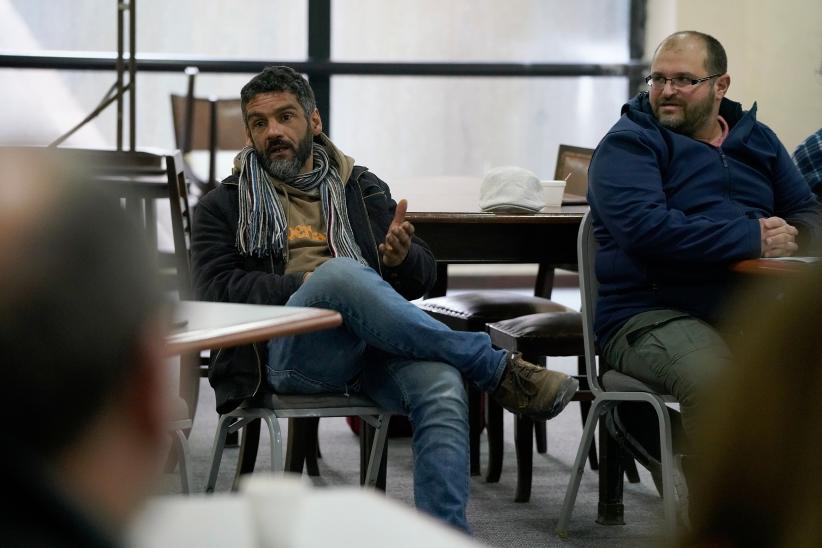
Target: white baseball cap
{"x":511,"y":189}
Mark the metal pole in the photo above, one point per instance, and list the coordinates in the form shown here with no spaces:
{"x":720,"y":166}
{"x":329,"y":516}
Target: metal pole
{"x":636,"y":44}
{"x":132,"y":75}
{"x":319,"y":50}
{"x":120,"y":8}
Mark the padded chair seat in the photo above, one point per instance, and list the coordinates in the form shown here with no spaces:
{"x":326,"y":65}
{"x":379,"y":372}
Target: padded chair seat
{"x":556,"y":333}
{"x":302,"y":405}
{"x":471,"y":311}
{"x":614,"y":381}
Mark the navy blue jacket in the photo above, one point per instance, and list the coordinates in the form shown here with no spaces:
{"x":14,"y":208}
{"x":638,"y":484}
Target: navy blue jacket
{"x":221,"y":274}
{"x":671,"y":212}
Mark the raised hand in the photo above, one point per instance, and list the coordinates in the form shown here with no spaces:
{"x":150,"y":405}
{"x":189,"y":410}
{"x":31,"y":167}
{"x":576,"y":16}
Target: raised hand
{"x":397,"y":241}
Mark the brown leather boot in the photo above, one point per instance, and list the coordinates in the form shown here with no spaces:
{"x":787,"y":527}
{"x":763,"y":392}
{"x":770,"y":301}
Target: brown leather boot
{"x":534,"y":391}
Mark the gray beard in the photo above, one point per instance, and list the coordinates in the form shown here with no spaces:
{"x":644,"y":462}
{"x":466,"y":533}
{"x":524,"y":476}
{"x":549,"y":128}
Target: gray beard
{"x":282,"y":169}
{"x":288,"y":169}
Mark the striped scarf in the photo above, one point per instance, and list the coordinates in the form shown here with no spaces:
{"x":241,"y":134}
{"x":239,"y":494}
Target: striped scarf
{"x":263,"y":230}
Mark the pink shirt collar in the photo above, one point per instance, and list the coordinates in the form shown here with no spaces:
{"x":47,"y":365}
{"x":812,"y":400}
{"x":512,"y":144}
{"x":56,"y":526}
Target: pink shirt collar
{"x":721,"y":138}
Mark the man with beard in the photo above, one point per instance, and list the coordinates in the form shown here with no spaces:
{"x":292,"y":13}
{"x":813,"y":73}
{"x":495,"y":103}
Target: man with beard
{"x":299,"y":224}
{"x":682,"y":186}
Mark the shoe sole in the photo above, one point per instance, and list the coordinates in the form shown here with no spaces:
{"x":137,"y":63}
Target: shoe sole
{"x":566,"y":391}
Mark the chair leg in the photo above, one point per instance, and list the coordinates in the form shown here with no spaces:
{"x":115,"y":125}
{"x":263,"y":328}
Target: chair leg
{"x":233,"y":439}
{"x":584,"y":408}
{"x":367,"y":437}
{"x":312,"y":447}
{"x":275,"y":439}
{"x":181,"y":443}
{"x":496,"y":436}
{"x":541,"y":427}
{"x":541,"y":436}
{"x":610,"y":510}
{"x":593,"y":461}
{"x":667,"y":453}
{"x":217,"y":451}
{"x":378,"y":450}
{"x":249,"y":443}
{"x":474,"y":428}
{"x":301,"y":432}
{"x":579,"y":467}
{"x":629,"y":465}
{"x":523,"y":442}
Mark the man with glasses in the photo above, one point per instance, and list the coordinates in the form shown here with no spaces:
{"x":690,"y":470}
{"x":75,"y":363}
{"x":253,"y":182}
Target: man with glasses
{"x":683,"y":185}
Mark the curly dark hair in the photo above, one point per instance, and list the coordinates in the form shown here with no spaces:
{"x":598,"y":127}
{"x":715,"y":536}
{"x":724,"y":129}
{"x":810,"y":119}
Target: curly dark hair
{"x":279,"y":78}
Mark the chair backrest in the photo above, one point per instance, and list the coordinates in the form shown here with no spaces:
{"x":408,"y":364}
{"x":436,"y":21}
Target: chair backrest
{"x":589,"y":288}
{"x":207,"y":124}
{"x":180,"y":223}
{"x":141,"y":179}
{"x":574,"y":161}
{"x":228,"y":131}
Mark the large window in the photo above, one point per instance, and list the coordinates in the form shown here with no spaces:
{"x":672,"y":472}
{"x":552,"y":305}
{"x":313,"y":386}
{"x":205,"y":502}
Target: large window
{"x":398,"y":126}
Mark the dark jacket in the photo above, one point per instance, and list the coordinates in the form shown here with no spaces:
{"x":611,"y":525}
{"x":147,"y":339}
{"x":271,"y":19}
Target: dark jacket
{"x":37,"y":512}
{"x":222,"y":274}
{"x":671,"y":212}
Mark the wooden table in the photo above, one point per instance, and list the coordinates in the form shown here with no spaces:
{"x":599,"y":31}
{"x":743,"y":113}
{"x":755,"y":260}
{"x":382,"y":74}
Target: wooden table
{"x":445,"y":213}
{"x":200,"y":326}
{"x":205,"y":325}
{"x":773,"y":267}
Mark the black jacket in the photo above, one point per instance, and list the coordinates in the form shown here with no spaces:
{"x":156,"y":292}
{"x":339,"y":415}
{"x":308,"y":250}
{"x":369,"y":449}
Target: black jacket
{"x":222,"y":274}
{"x":36,"y":513}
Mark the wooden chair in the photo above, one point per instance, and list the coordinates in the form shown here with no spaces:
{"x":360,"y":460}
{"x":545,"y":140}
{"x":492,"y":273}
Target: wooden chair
{"x":206,"y":124}
{"x":473,"y":311}
{"x":141,"y":179}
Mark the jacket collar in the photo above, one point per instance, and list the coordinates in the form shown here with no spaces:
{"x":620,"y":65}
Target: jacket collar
{"x":638,"y":109}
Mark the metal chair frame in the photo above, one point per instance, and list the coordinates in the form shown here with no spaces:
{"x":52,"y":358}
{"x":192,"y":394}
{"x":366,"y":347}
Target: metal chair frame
{"x":299,"y":406}
{"x":604,"y":400}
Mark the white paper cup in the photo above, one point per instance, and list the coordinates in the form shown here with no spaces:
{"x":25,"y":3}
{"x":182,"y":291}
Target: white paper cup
{"x":552,"y":192}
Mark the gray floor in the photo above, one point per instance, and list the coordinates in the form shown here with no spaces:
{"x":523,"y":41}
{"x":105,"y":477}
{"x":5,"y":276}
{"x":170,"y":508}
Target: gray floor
{"x":497,"y":520}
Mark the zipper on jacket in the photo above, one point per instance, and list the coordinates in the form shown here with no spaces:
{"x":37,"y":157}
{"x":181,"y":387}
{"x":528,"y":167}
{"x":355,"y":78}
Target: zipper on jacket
{"x":373,"y":239}
{"x":729,"y":182}
{"x":722,"y":157}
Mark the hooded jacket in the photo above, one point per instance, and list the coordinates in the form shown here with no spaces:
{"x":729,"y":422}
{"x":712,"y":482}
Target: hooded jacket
{"x":222,"y":274}
{"x":671,"y":212}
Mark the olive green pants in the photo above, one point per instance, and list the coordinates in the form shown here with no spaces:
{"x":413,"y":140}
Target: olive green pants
{"x":672,"y":352}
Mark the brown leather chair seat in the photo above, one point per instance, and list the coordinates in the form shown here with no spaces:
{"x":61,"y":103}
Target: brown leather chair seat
{"x":545,"y":334}
{"x":472,"y":311}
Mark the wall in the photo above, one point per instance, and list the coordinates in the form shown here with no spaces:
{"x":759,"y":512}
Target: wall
{"x":774,"y":54}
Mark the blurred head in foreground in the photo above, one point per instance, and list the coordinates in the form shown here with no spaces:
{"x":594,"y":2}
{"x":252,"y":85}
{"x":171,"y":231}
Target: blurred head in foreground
{"x":83,"y":391}
{"x":759,"y":481}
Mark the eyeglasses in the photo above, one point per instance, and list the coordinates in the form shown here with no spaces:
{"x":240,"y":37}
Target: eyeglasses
{"x":658,"y":81}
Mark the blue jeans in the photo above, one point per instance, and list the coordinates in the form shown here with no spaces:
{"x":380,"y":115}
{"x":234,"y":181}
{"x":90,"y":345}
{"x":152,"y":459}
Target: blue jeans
{"x":403,"y":359}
